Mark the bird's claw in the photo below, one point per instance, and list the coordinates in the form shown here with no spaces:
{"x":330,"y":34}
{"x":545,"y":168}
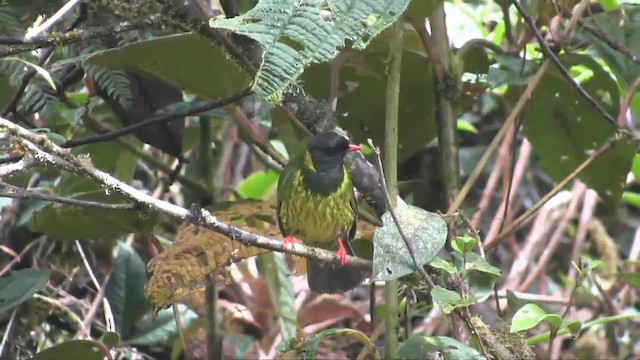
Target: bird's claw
{"x":341,"y":253}
{"x":289,"y":242}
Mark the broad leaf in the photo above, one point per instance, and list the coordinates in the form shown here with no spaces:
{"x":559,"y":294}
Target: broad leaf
{"x":530,"y":315}
{"x":125,"y":289}
{"x":564,"y":129}
{"x":209,"y":72}
{"x":448,"y":300}
{"x":426,"y":231}
{"x":68,"y":222}
{"x":74,"y":349}
{"x":294,"y":34}
{"x":20,"y":285}
{"x":151,"y":331}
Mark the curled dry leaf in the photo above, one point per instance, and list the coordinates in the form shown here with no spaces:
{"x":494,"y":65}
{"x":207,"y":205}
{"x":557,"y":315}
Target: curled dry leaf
{"x":190,"y":263}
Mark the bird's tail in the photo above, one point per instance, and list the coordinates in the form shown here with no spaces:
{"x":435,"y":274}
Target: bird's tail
{"x":328,"y":278}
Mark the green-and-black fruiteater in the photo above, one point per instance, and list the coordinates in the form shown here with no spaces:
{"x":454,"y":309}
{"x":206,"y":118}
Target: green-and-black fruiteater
{"x":316,"y":204}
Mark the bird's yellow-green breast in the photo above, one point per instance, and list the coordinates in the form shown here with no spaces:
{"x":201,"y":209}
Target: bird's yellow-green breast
{"x":315,"y":217}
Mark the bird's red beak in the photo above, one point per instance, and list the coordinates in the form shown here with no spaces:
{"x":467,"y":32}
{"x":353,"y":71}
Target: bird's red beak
{"x":353,"y":148}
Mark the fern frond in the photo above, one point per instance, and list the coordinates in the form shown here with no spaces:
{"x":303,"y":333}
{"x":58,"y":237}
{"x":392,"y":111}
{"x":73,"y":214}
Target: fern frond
{"x":35,"y":100}
{"x":114,"y":82}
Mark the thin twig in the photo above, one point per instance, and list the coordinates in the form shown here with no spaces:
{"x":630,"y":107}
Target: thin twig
{"x":55,"y":156}
{"x":17,"y":259}
{"x":617,"y":46}
{"x":7,"y":330}
{"x":548,"y":53}
{"x":183,"y":341}
{"x":26,"y":194}
{"x":484,"y":160}
{"x":407,"y":242}
{"x":158,"y":119}
{"x":108,"y":314}
{"x":66,"y":310}
{"x":527,"y":214}
{"x":577,"y":195}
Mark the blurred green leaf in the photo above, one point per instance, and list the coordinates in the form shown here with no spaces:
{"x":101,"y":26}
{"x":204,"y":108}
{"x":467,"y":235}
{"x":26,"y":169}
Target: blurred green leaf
{"x":259,"y":185}
{"x":125,"y":289}
{"x":622,"y":27}
{"x":66,"y":222}
{"x":39,"y":70}
{"x":441,"y":264}
{"x":210,"y":74}
{"x":448,"y":300}
{"x":480,"y":264}
{"x":564,"y":129}
{"x":276,"y":274}
{"x":110,"y":339}
{"x":20,"y":285}
{"x":631,"y":198}
{"x":631,"y":278}
{"x":635,"y":166}
{"x":426,"y":231}
{"x":420,"y":347}
{"x":609,"y":5}
{"x":574,"y":326}
{"x":163,"y":328}
{"x":463,"y":244}
{"x":306,"y":350}
{"x":74,"y":349}
{"x":530,"y":315}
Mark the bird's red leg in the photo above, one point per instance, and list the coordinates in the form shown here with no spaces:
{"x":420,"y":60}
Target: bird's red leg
{"x":289,"y":240}
{"x":342,"y":252}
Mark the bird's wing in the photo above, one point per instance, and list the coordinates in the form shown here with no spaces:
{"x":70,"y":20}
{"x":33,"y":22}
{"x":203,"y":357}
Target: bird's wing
{"x":354,"y":207}
{"x":284,"y":185}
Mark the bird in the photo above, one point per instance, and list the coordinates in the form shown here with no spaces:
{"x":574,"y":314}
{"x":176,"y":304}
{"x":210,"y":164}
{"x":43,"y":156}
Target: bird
{"x":316,"y":203}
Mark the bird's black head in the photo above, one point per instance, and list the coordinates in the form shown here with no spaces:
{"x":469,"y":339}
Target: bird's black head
{"x":327,"y":150}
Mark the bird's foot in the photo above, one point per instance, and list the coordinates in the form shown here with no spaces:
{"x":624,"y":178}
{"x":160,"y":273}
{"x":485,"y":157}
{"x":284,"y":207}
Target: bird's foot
{"x":289,"y":242}
{"x":341,"y":253}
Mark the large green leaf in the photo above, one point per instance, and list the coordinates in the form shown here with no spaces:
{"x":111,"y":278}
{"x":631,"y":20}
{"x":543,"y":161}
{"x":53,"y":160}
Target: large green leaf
{"x":74,"y":349}
{"x":161,"y":328}
{"x":20,"y":285}
{"x":125,"y":289}
{"x":67,"y":222}
{"x":426,"y":231}
{"x":294,"y":34}
{"x":530,"y":316}
{"x":564,"y":129}
{"x":187,"y":61}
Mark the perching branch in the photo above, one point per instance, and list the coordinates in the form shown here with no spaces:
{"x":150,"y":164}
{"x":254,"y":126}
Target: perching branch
{"x":46,"y":153}
{"x":77,"y":36}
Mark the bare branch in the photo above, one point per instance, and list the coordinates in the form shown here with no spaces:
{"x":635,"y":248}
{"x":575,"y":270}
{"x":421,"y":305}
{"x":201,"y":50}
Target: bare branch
{"x":49,"y":154}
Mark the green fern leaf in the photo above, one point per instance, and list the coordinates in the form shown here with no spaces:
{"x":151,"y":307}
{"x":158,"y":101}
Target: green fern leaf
{"x":293,"y":34}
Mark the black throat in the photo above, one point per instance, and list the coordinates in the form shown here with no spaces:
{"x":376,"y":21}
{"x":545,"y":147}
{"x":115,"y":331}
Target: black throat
{"x":327,"y":178}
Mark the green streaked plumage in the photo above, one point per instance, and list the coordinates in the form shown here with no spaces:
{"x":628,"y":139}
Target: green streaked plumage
{"x":316,"y":205}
